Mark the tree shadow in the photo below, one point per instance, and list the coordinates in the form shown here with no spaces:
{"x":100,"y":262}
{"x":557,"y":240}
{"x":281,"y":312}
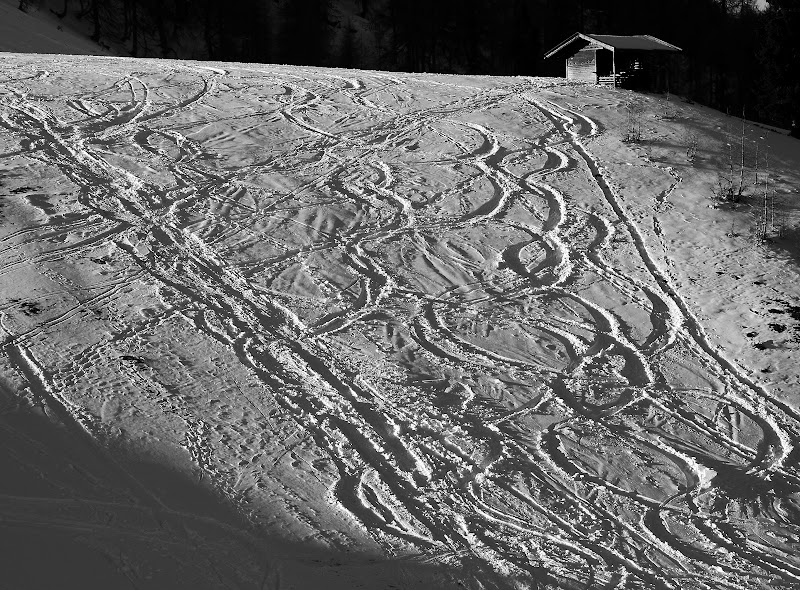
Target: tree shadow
{"x":68,"y":521}
{"x":788,"y":242}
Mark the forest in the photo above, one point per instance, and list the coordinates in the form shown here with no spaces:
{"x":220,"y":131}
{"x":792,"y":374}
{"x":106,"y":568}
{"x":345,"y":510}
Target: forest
{"x":737,"y":57}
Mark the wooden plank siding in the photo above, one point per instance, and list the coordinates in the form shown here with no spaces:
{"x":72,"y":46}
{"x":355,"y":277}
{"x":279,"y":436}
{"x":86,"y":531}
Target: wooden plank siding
{"x":609,"y":81}
{"x":582,"y":67}
{"x":629,"y":61}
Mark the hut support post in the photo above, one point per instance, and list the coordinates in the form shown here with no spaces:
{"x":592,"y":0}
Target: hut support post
{"x":614,"y":66}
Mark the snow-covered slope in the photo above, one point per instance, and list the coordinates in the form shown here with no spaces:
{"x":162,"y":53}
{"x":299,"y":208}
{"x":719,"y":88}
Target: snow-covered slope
{"x":271,"y":327}
{"x":40,"y":31}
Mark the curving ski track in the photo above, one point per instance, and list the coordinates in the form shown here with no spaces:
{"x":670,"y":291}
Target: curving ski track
{"x":411,"y":295}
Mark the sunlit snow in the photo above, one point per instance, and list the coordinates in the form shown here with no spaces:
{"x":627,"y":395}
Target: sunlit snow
{"x":287,"y":327}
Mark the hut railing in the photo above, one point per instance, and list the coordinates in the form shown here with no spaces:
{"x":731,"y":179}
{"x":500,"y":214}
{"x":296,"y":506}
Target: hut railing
{"x":611,"y":81}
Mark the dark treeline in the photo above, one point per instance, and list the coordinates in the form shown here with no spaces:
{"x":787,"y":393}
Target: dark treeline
{"x":736,"y":57}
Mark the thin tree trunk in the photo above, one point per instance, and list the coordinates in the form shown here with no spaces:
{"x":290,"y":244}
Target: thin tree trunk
{"x":209,"y":36}
{"x":772,"y":210}
{"x":741,"y":163}
{"x":766,"y":193}
{"x":755,"y":182}
{"x":729,"y":188}
{"x":96,"y":20}
{"x":163,"y":35}
{"x":126,"y":20}
{"x":135,"y":28}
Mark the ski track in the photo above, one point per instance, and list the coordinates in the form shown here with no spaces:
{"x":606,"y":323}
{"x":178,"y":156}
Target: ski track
{"x":556,"y":460}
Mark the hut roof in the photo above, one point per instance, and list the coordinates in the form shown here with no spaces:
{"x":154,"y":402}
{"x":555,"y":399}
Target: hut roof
{"x":635,"y":42}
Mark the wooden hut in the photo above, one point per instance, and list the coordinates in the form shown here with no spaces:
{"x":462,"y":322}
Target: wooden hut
{"x":634,"y":61}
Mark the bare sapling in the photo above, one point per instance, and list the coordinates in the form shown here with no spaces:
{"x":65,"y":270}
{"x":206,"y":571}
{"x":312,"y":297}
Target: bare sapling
{"x":669,"y":112}
{"x":765,"y":209}
{"x":633,"y":122}
{"x":755,"y":171}
{"x":776,"y":224}
{"x":780,"y":223}
{"x":731,"y":183}
{"x":725,"y":183}
{"x":691,"y":146}
{"x":741,"y":162}
{"x":772,"y":211}
{"x":647,"y":146}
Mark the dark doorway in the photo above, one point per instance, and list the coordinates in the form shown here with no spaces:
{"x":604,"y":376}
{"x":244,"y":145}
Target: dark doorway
{"x":605,"y":62}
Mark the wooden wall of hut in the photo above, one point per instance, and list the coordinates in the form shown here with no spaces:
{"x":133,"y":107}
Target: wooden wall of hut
{"x":582,"y":67}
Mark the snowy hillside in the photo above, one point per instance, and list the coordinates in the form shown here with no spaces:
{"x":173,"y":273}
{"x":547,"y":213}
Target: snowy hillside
{"x":40,"y":31}
{"x":272,"y":327}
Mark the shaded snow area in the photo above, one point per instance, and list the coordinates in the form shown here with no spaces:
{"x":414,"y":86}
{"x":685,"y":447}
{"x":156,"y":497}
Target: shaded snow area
{"x":41,"y":31}
{"x":273,"y":327}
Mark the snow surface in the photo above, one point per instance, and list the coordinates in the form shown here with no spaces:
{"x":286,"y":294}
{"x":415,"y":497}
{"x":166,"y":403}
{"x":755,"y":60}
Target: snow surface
{"x":281,"y":327}
{"x":39,"y":31}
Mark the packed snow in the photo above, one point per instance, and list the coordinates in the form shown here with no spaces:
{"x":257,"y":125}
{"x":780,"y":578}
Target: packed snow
{"x":39,"y":30}
{"x":282,"y":327}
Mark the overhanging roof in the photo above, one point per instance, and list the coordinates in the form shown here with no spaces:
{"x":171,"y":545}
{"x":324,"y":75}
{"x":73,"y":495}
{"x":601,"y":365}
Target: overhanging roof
{"x":643,"y":42}
{"x":636,"y":42}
